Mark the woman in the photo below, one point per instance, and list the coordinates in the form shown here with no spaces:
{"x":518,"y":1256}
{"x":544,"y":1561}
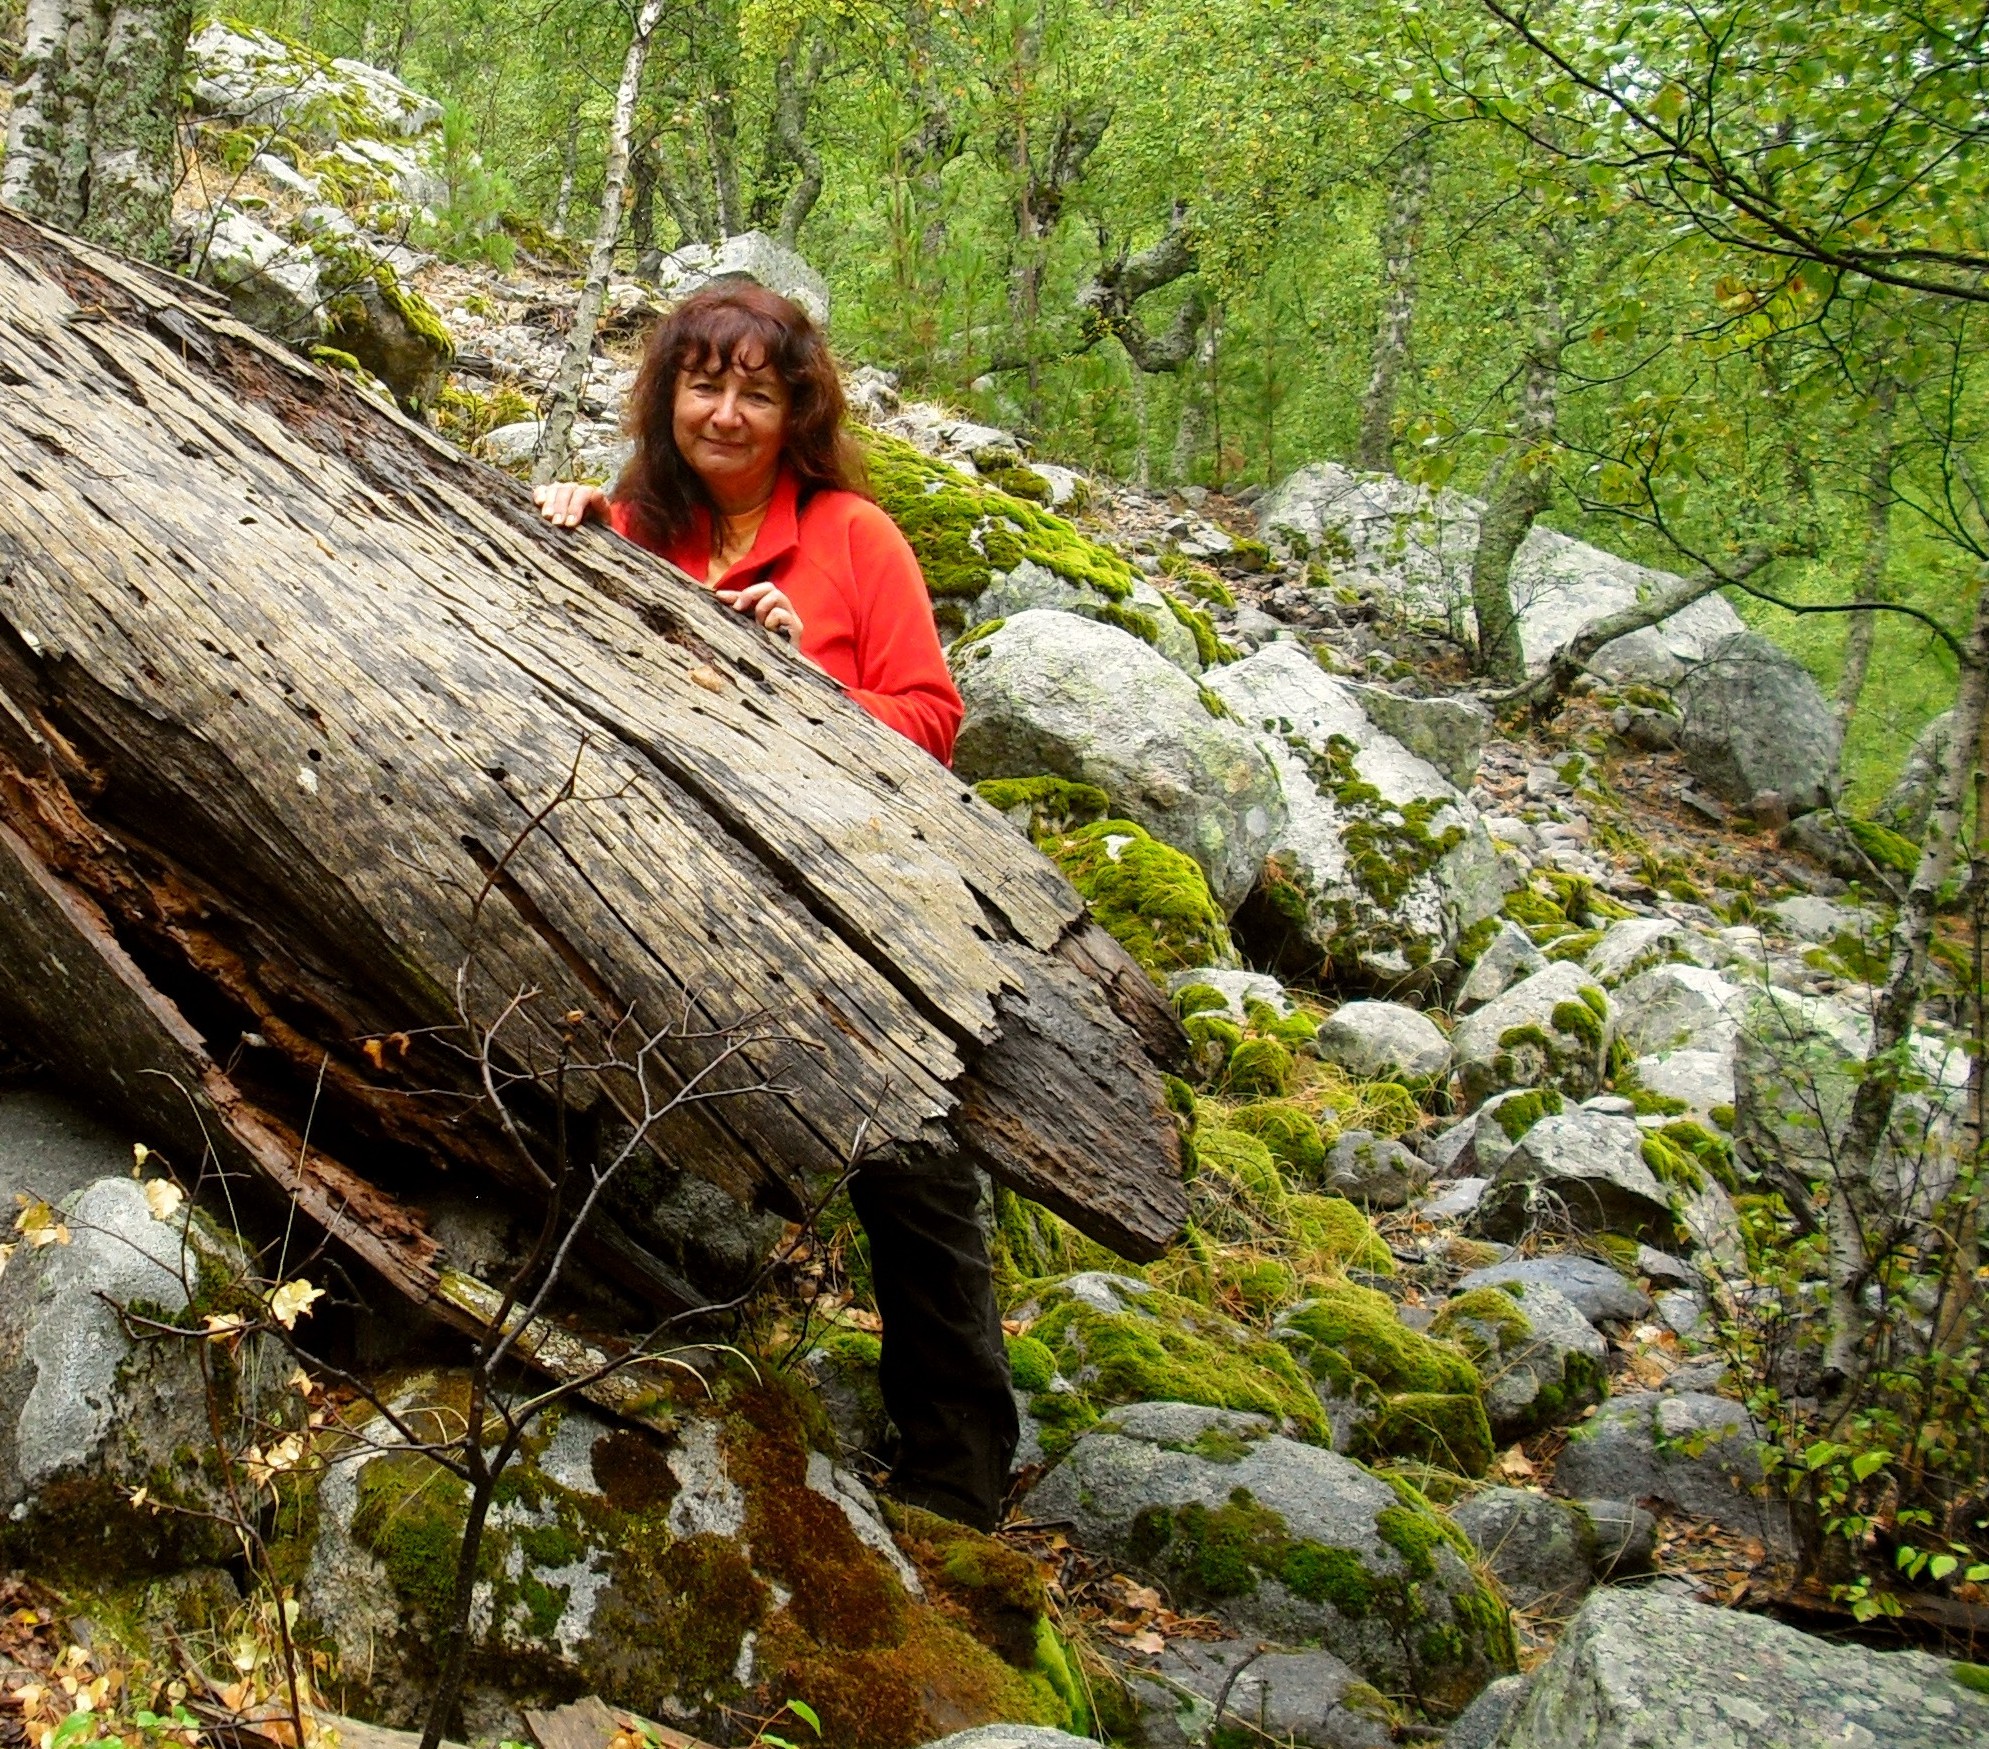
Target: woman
{"x":744,"y":477}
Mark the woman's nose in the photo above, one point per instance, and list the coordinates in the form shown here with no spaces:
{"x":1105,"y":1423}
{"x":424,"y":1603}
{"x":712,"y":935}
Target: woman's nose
{"x":727,"y":411}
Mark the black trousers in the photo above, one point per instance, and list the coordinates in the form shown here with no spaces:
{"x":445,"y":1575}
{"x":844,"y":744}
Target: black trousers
{"x":944,"y":1372}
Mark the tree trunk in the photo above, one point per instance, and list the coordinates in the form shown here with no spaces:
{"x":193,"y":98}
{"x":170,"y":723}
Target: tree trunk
{"x":1521,"y":485}
{"x":1878,"y":555}
{"x":792,"y":92}
{"x":91,"y":142}
{"x":569,"y":171}
{"x":1854,"y":1191}
{"x":1401,"y":239}
{"x":278,"y":711}
{"x":644,"y":172}
{"x":555,"y":443}
{"x":1191,"y":426}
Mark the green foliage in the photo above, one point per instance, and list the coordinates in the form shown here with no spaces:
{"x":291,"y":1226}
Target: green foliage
{"x":1287,"y":1129}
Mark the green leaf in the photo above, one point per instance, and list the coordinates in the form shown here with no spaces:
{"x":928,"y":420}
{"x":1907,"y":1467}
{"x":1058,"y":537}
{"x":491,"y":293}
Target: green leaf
{"x":806,"y":1714}
{"x":1868,"y":1463}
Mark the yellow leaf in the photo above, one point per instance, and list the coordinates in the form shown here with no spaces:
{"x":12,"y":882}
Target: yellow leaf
{"x":139,"y":1155}
{"x":218,"y":1324}
{"x":293,"y":1300}
{"x":300,"y":1382}
{"x":375,"y":1052}
{"x":163,"y":1197}
{"x":39,"y":1224}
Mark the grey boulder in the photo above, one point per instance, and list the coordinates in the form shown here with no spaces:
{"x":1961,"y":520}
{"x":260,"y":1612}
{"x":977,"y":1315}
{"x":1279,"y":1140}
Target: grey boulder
{"x":263,"y":83}
{"x":1634,"y":944}
{"x":1647,"y":1670}
{"x":1580,"y":1172}
{"x":1677,"y":1008}
{"x":51,"y":1147}
{"x":1550,"y":1030}
{"x":1377,"y":1041}
{"x":1375,"y":1171}
{"x":1754,"y":721}
{"x":1448,"y":732}
{"x":1688,"y":1449}
{"x":1032,"y":585}
{"x":1053,"y":692}
{"x":1282,"y":1540}
{"x":749,"y":255}
{"x":1541,"y":1360}
{"x":1308,"y":1699}
{"x":1380,"y":864}
{"x":1596,"y":1289}
{"x":1507,"y":959}
{"x":1542,"y":1552}
{"x":89,"y":1411}
{"x":271,"y":285}
{"x":1478,"y":1725}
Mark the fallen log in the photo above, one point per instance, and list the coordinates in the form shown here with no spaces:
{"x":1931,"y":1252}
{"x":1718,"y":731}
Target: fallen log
{"x":305,"y":717}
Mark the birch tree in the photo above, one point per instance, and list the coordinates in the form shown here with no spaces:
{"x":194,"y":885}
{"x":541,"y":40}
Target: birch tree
{"x":557,"y":439}
{"x":91,"y":143}
{"x":1401,"y":241}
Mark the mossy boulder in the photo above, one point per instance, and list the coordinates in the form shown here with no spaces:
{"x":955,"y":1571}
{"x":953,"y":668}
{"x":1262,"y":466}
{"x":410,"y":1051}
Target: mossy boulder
{"x":1148,"y":895}
{"x":268,"y":82}
{"x":1380,"y":867}
{"x":1285,"y":1541}
{"x":968,"y":533}
{"x":1552,"y":1030}
{"x":387,"y":326}
{"x":1543,"y":1363}
{"x":1288,"y":1130}
{"x":1390,"y":1391}
{"x":1579,"y":1172}
{"x":1045,"y":807}
{"x":1117,"y":1340}
{"x":90,"y":1412}
{"x":1091,"y":703}
{"x":732,"y":1567}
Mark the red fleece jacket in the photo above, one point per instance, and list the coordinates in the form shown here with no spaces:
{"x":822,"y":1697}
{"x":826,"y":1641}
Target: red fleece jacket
{"x":865,"y":615}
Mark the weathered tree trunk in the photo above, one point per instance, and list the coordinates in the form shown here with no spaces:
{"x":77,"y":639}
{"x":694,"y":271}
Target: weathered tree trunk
{"x":284,"y":684}
{"x":792,"y":91}
{"x":1521,"y":485}
{"x":90,"y":141}
{"x":556,"y":440}
{"x":1854,"y":1193}
{"x":1401,"y":240}
{"x":1863,"y":630}
{"x":569,"y":171}
{"x":1191,"y":424}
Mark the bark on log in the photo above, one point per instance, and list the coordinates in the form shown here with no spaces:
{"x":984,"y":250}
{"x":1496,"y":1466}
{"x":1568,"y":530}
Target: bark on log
{"x":283,"y":678}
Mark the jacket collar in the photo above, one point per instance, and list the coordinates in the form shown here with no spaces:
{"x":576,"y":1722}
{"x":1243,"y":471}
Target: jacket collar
{"x":780,"y":531}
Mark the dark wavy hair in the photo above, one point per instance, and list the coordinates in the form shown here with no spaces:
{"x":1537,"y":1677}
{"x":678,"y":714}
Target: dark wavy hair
{"x":733,"y":320}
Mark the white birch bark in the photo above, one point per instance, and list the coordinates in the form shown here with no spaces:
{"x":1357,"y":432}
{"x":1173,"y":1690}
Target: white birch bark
{"x":557,"y":441}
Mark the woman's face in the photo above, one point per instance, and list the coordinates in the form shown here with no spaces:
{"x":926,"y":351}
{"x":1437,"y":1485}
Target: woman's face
{"x":729,"y":426}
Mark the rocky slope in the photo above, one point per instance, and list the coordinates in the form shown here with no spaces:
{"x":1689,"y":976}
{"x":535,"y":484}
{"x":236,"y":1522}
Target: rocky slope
{"x":1501,"y":1044}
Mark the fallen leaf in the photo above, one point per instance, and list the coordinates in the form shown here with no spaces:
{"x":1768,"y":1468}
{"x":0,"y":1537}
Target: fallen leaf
{"x":1149,"y":1642}
{"x":163,"y":1197}
{"x":293,"y":1300}
{"x":708,"y":677}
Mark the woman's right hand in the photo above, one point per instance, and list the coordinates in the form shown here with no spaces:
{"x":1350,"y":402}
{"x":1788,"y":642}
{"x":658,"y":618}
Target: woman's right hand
{"x":568,"y":503}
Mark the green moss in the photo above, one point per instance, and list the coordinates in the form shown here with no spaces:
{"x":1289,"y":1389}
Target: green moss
{"x":1261,"y":1067}
{"x":1247,"y":554}
{"x":1200,"y":999}
{"x":1519,"y":1114}
{"x":1574,"y":947}
{"x":1389,"y":846}
{"x":1214,"y":1037}
{"x":1354,"y":1330}
{"x":998,"y":1589}
{"x":1127,"y":619}
{"x":1971,"y":1676}
{"x":1472,"y":943}
{"x":1148,"y":895}
{"x":1210,"y":650}
{"x":975,"y":634}
{"x":1334,"y":1229}
{"x":1181,"y":1101}
{"x":1445,"y":1428}
{"x":1533,"y":910}
{"x":1723,"y":1115}
{"x":1712,"y":1154}
{"x":1212,"y":703}
{"x":1031,"y":1244}
{"x":1030,"y":1364}
{"x":410,"y":1514}
{"x":1056,"y":806}
{"x":964,"y":531}
{"x":1288,"y":1130}
{"x":1884,"y":846}
{"x":1296,"y":1029}
{"x":1168,"y":1349}
{"x":1579,"y":901}
{"x":1484,"y":1322}
{"x":1247,"y":1162}
{"x":1578,"y":1020}
{"x":1670,"y":1164}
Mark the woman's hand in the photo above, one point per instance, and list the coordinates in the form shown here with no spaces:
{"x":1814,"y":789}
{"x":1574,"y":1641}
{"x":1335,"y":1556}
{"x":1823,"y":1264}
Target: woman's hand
{"x":767,"y":605}
{"x":567,"y":503}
